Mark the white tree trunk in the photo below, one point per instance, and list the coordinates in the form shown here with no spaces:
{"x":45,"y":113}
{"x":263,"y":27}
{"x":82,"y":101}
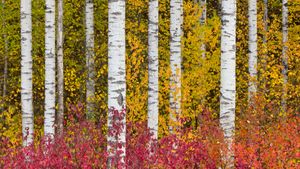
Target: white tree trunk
{"x":203,"y":15}
{"x":228,"y":76}
{"x":252,"y":17}
{"x":26,"y":72}
{"x":284,"y":52}
{"x":202,"y":23}
{"x":90,"y":82}
{"x":116,"y":75}
{"x":153,"y":68}
{"x":49,"y":127}
{"x":175,"y":52}
{"x":60,"y":68}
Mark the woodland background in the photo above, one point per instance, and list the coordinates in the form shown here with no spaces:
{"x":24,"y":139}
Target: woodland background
{"x":200,"y":81}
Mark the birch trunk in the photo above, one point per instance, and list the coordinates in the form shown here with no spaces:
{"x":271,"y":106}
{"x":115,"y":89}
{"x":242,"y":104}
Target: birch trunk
{"x":252,"y":17}
{"x":116,"y":78}
{"x":202,"y":23}
{"x":175,"y":52}
{"x":228,"y":76}
{"x":284,"y":52}
{"x":60,"y":68}
{"x":90,"y":83}
{"x":26,"y":72}
{"x":49,"y":129}
{"x":203,"y":15}
{"x":153,"y":68}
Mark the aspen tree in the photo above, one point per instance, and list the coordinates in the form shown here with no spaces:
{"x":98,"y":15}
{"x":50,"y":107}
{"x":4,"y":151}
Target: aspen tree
{"x":284,"y":52}
{"x":153,"y":68}
{"x":176,"y":20}
{"x":60,"y":68}
{"x":49,"y":128}
{"x":116,"y":78}
{"x":228,"y":76}
{"x":89,"y":40}
{"x":26,"y":72}
{"x":252,"y":17}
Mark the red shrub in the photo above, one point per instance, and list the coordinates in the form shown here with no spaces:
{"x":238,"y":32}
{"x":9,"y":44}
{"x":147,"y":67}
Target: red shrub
{"x":257,"y":145}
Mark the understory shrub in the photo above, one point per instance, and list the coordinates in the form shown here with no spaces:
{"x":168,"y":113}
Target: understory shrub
{"x":259,"y":143}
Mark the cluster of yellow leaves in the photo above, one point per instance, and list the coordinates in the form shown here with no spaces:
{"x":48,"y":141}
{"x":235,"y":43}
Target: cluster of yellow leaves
{"x":10,"y":126}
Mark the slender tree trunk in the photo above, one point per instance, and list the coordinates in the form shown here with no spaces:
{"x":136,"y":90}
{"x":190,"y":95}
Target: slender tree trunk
{"x":153,"y":68}
{"x":228,"y":76}
{"x":60,"y":68}
{"x":202,"y":23}
{"x":5,"y":56}
{"x":116,"y":78}
{"x":265,"y":21}
{"x":90,"y":82}
{"x":26,"y":72}
{"x":284,"y":52}
{"x":175,"y":51}
{"x":252,"y":17}
{"x":265,"y":51}
{"x":5,"y":71}
{"x":50,"y":69}
{"x":203,"y":15}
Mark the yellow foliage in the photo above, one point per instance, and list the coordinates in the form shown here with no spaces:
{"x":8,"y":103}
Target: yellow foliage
{"x":11,"y":126}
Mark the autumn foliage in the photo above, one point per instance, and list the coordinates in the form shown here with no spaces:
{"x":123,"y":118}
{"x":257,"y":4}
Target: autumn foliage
{"x":265,"y":137}
{"x":260,"y":143}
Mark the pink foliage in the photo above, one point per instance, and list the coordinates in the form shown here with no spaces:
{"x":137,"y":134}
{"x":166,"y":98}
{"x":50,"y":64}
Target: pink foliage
{"x":83,"y":145}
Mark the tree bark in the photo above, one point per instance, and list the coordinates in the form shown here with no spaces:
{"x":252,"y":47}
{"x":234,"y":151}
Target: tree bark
{"x":252,"y":17}
{"x":153,"y":68}
{"x":202,"y":23}
{"x":26,"y":72}
{"x":60,"y":69}
{"x":265,"y":47}
{"x":284,"y":53}
{"x":175,"y":60}
{"x":90,"y":82}
{"x":116,"y":78}
{"x":265,"y":21}
{"x":4,"y":91}
{"x":49,"y":128}
{"x":228,"y":76}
